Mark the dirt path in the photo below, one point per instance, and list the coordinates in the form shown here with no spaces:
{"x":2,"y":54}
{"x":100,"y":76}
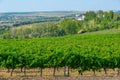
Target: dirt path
{"x":68,"y":78}
{"x":48,"y":75}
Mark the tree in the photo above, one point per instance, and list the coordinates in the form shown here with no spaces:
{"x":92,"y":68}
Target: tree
{"x":69,"y":26}
{"x":100,"y":14}
{"x":90,"y":15}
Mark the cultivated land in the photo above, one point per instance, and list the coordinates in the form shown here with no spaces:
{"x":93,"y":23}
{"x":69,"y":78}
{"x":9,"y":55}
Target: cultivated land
{"x":97,"y":55}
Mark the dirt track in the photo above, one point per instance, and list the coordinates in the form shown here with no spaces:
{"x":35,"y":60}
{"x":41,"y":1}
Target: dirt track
{"x":68,"y":78}
{"x":47,"y":75}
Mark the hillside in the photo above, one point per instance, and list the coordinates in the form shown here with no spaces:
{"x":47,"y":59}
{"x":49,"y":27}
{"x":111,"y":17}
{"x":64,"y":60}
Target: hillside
{"x":108,"y":31}
{"x":33,"y":25}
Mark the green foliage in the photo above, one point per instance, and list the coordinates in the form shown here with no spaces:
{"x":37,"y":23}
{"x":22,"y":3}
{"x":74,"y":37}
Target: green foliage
{"x":90,"y":15}
{"x":69,"y":26}
{"x":82,"y":52}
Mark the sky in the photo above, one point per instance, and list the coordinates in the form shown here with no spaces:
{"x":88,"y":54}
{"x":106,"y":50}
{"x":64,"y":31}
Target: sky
{"x":57,"y":5}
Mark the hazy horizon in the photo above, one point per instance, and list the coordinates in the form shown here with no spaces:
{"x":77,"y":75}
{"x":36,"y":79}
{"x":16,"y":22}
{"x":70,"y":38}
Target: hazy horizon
{"x":53,"y":5}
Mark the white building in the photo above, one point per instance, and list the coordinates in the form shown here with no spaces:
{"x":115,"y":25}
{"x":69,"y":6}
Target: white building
{"x":80,"y":17}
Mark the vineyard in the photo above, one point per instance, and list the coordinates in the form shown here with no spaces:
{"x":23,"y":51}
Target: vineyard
{"x":77,"y":52}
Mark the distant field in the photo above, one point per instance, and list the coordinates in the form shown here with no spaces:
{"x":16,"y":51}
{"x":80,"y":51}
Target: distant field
{"x":34,"y":17}
{"x":109,"y":31}
{"x":44,"y":13}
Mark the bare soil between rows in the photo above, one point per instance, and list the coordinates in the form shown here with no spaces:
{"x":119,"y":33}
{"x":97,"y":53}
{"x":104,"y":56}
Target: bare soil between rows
{"x":33,"y":74}
{"x":68,"y":78}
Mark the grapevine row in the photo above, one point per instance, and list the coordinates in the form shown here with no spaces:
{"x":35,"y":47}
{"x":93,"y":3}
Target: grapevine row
{"x":81,"y":52}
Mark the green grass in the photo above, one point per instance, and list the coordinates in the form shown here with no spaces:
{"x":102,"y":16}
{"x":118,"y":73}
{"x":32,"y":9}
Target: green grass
{"x":108,"y":31}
